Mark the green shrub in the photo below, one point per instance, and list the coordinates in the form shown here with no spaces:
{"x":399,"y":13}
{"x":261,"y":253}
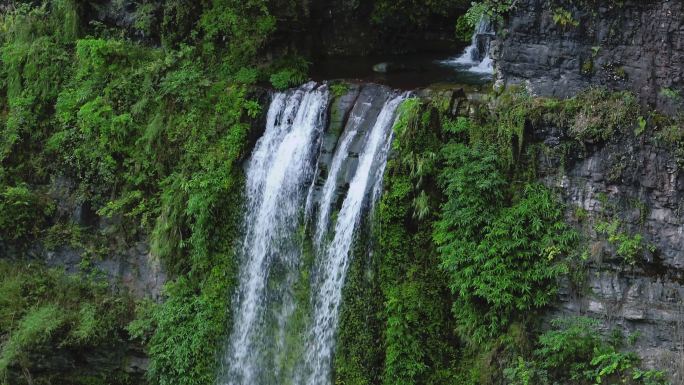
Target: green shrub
{"x":672,"y":94}
{"x":43,"y":308}
{"x":575,"y":352}
{"x":339,"y":89}
{"x":564,"y":352}
{"x":282,"y":80}
{"x":187,"y":327}
{"x":290,"y":72}
{"x":464,"y":31}
{"x":629,"y":247}
{"x":501,"y":258}
{"x":22,"y":213}
{"x":490,"y":10}
{"x":418,"y":342}
{"x":564,"y":18}
{"x":34,"y":328}
{"x":247,"y":75}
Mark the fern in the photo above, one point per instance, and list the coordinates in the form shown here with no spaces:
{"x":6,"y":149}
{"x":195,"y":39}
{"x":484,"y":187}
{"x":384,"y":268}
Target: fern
{"x":501,"y":259}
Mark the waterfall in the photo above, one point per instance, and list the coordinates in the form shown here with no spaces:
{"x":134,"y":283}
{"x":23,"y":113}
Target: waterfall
{"x":334,"y":266}
{"x":278,"y":173}
{"x":263,"y":347}
{"x":330,"y":186}
{"x":476,"y":55}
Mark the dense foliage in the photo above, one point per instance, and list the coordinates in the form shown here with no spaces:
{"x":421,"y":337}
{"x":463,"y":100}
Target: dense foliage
{"x":499,"y":255}
{"x":575,"y":352}
{"x":43,"y":309}
{"x":153,"y":138}
{"x":418,"y":331}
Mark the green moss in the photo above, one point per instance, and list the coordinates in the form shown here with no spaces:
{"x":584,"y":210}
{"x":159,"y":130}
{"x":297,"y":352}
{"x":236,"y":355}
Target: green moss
{"x":672,"y":94}
{"x":621,"y":73}
{"x":599,"y":115}
{"x":339,"y":89}
{"x":360,"y":355}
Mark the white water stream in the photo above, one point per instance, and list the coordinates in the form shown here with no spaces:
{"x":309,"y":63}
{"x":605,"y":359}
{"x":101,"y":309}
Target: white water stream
{"x":281,"y":166}
{"x":336,"y":259}
{"x":280,"y":175}
{"x":478,"y":62}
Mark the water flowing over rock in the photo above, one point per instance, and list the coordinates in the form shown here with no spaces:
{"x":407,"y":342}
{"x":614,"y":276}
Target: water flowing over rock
{"x":279,"y":335}
{"x":334,"y":267}
{"x":476,"y":55}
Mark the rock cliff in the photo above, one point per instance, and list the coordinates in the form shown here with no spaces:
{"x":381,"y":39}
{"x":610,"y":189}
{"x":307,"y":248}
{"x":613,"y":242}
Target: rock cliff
{"x":637,"y":181}
{"x":638,"y":46}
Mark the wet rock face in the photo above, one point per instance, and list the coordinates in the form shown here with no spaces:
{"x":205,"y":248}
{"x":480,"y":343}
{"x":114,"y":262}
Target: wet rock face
{"x":637,"y":47}
{"x":129,"y":264}
{"x":355,"y":111}
{"x":637,"y":182}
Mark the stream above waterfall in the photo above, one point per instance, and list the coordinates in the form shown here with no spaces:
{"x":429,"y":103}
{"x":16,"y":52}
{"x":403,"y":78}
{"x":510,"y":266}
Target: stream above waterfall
{"x":422,"y":70}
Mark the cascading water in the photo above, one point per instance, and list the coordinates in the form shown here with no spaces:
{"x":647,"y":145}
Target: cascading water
{"x":335,"y":263}
{"x":279,"y":171}
{"x":330,"y":186}
{"x":476,"y":55}
{"x":262,"y":347}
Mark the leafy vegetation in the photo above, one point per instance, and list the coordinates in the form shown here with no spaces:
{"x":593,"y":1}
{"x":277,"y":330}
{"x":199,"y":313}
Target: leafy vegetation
{"x":339,"y":89}
{"x":290,"y":72}
{"x":575,"y":352}
{"x":564,"y":19}
{"x":152,"y":137}
{"x":465,"y":225}
{"x":490,"y":10}
{"x":500,"y":259}
{"x":672,"y":94}
{"x":43,"y":309}
{"x":23,"y":213}
{"x":629,"y":247}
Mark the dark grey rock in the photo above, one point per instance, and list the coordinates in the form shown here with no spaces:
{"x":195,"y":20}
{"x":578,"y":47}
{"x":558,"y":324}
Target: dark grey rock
{"x":355,"y":111}
{"x":640,"y":48}
{"x":644,"y":189}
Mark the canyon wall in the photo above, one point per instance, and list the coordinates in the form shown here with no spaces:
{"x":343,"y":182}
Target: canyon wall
{"x":638,"y":46}
{"x":636,"y":180}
